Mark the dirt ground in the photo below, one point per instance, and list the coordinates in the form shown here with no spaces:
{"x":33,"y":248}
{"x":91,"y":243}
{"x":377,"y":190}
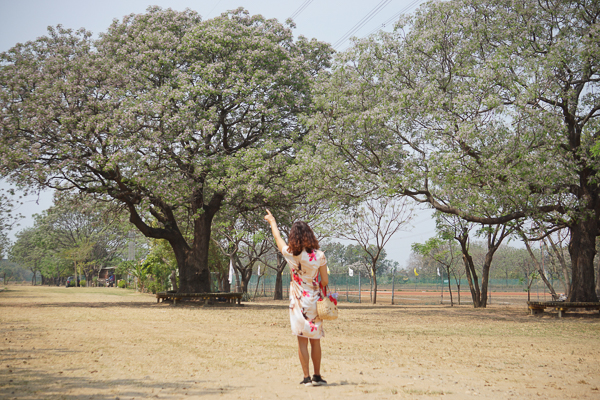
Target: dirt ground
{"x":105,"y":343}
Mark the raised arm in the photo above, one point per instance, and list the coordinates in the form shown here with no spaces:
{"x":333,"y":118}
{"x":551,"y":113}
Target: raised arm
{"x":278,"y":240}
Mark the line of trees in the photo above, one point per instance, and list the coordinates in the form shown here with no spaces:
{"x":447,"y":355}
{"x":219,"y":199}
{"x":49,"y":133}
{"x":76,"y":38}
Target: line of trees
{"x":484,"y":110}
{"x":467,"y":251}
{"x":74,"y":237}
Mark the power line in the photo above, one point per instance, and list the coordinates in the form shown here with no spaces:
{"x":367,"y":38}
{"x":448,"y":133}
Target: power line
{"x":395,"y":16}
{"x":212,"y":9}
{"x":380,"y":6}
{"x":300,"y":9}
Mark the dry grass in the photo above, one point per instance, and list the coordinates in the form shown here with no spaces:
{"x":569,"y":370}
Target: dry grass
{"x":111,"y":343}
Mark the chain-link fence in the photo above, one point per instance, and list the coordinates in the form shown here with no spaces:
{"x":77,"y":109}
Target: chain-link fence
{"x":358,"y":289}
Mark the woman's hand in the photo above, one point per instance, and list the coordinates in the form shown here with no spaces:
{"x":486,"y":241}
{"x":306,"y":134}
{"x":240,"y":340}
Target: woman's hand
{"x":270,"y":218}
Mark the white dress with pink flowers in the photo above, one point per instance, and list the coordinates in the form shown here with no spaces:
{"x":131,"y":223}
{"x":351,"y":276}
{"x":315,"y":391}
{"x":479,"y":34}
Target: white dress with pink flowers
{"x":304,"y":292}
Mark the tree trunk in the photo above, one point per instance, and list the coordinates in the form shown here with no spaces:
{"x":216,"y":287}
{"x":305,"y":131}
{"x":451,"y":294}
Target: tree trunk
{"x":582,"y":249}
{"x":192,"y":277}
{"x":224,"y":285}
{"x":449,"y":285}
{"x":246,"y":275}
{"x":485,"y":274}
{"x":597,"y":266}
{"x":278,"y":292}
{"x":598,"y":279}
{"x":374,"y":287}
{"x":538,"y":265}
{"x":192,"y":262}
{"x":565,"y":280}
{"x":174,"y":281}
{"x":470,"y":270}
{"x":281,"y":263}
{"x":245,"y":272}
{"x":34,"y":277}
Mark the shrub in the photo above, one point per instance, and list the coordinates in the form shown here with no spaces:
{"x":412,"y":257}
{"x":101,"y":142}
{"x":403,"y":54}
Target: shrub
{"x":82,"y":283}
{"x":122,"y":284}
{"x":155,"y":287}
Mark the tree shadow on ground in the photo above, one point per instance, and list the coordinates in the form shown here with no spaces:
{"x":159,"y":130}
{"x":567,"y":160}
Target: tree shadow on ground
{"x":36,"y":384}
{"x":514,"y":314}
{"x":85,"y":304}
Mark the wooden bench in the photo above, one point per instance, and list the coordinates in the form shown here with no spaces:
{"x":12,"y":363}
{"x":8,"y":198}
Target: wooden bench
{"x":229,"y":297}
{"x":537,"y":307}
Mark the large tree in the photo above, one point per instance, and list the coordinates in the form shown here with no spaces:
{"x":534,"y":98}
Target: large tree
{"x":172,"y":116}
{"x":485,"y":109}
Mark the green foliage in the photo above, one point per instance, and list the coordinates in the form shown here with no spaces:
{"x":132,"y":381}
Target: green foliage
{"x":158,"y":264}
{"x":140,"y":271}
{"x":211,"y":104}
{"x":28,"y":250}
{"x":483,"y":109}
{"x":125,"y":268}
{"x":155,"y":286}
{"x":122,"y":284}
{"x":76,"y":232}
{"x":12,"y":272}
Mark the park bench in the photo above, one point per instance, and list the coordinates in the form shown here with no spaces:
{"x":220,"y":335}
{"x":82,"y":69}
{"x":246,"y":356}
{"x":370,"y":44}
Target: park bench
{"x":228,"y":297}
{"x":536,"y":307}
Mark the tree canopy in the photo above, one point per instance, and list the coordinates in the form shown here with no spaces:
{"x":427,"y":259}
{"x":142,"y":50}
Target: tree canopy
{"x":484,"y":109}
{"x":172,"y":116}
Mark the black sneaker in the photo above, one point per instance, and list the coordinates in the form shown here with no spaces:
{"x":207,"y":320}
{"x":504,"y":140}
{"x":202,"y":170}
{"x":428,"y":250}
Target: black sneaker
{"x":318,"y":381}
{"x":306,"y":381}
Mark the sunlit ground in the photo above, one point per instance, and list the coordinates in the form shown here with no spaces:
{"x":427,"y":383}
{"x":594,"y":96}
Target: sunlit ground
{"x":108,"y":343}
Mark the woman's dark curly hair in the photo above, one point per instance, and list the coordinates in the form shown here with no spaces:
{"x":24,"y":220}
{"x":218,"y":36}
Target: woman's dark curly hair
{"x":302,"y":237}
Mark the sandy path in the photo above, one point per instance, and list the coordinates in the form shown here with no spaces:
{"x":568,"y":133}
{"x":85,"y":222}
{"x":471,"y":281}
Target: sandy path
{"x":105,"y":343}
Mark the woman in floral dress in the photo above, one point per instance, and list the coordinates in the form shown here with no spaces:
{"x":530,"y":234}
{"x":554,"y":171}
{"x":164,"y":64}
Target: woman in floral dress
{"x":306,"y":263}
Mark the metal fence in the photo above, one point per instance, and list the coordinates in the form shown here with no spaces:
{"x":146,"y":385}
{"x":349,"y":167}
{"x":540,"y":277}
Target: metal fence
{"x":358,"y":289}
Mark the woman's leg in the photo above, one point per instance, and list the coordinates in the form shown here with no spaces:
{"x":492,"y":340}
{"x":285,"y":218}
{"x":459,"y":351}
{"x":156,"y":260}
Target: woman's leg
{"x":303,"y":354}
{"x":315,"y":352}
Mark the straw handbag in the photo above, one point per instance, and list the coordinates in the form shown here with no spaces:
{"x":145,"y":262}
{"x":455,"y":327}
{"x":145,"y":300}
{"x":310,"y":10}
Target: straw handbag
{"x":327,"y":306}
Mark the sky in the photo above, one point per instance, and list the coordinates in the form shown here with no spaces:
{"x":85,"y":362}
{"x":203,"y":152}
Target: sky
{"x":331,"y":21}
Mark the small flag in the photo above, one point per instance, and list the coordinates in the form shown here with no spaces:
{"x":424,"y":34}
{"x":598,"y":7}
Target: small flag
{"x":416,"y":272}
{"x":438,"y":271}
{"x":328,"y":272}
{"x":259,"y":270}
{"x":231,"y":272}
{"x":350,"y":272}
